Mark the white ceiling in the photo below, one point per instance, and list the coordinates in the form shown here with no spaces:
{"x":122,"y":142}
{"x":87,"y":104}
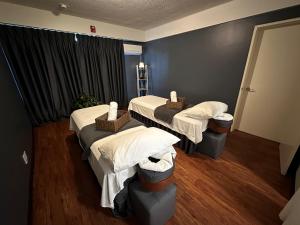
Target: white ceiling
{"x":139,"y":14}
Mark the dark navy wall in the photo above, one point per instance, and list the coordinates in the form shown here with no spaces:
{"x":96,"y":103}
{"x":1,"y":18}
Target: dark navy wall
{"x":206,"y":64}
{"x":15,"y":137}
{"x":130,"y":62}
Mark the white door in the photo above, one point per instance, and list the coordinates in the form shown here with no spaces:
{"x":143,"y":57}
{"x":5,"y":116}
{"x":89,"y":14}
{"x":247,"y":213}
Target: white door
{"x":272,"y":107}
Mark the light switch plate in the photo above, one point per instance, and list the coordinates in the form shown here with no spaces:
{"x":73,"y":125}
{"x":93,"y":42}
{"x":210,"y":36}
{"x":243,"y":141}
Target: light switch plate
{"x":25,"y":158}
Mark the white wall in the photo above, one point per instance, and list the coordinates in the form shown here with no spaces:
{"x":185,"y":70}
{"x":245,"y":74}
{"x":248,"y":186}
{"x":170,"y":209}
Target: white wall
{"x":287,"y":153}
{"x":236,"y":9}
{"x":16,"y":14}
{"x":233,"y":10}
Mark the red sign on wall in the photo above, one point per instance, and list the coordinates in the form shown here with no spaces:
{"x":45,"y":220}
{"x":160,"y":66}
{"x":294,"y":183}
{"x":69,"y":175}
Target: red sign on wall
{"x":93,"y":29}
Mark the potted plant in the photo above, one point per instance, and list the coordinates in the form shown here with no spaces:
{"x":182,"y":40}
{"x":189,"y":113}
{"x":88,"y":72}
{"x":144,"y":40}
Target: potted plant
{"x":84,"y":101}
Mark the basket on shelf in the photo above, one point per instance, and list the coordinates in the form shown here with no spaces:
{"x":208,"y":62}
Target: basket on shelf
{"x":102,"y":123}
{"x":176,"y":105}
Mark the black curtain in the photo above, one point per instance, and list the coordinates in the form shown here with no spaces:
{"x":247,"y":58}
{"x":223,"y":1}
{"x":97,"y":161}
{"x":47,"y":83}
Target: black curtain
{"x":103,"y":66}
{"x":52,"y":69}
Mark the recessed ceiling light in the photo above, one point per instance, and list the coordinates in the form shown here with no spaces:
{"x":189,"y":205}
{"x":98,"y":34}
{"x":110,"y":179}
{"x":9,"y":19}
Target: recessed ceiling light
{"x":60,"y":8}
{"x":63,"y":6}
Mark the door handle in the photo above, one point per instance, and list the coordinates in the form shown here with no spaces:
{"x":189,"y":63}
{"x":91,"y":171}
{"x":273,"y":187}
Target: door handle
{"x":249,"y":89}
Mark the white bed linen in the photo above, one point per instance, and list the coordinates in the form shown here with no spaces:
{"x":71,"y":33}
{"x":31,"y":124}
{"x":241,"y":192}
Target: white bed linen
{"x":128,"y":149}
{"x":191,"y":128}
{"x":111,"y":182}
{"x":82,"y":117}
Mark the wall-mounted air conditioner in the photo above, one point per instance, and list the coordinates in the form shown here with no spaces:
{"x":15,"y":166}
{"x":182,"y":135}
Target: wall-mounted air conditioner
{"x":132,"y":49}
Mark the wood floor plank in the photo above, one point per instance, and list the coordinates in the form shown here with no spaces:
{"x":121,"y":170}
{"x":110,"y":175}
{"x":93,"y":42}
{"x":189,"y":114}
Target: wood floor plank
{"x":244,"y":186}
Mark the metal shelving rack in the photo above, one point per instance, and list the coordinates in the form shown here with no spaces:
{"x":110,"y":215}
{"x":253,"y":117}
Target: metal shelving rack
{"x":142,"y":79}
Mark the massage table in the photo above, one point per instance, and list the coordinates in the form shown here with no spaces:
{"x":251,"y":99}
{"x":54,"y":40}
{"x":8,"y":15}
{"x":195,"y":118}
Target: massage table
{"x":193,"y":133}
{"x":112,"y":182}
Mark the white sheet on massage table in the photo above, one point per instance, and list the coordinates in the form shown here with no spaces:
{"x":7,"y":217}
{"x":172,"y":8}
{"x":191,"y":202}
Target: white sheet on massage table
{"x":111,"y":182}
{"x":189,"y":127}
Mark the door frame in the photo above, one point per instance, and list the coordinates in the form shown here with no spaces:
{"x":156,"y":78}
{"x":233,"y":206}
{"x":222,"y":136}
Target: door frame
{"x":251,"y":62}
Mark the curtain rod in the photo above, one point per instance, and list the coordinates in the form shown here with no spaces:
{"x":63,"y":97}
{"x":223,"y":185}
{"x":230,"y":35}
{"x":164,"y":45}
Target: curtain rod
{"x":68,"y":32}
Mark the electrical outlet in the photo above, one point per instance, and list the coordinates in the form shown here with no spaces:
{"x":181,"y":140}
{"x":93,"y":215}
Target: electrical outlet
{"x":25,"y":158}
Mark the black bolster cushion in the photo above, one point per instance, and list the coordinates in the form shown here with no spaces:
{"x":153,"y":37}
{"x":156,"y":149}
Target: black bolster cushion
{"x":223,"y":123}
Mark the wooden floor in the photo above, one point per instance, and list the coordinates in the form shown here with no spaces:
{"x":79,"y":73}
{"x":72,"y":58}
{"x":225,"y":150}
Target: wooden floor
{"x":244,"y":186}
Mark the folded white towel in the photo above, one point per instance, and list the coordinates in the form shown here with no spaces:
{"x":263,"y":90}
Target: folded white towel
{"x":173,"y":96}
{"x":165,"y":162}
{"x":113,"y":111}
{"x":224,"y":116}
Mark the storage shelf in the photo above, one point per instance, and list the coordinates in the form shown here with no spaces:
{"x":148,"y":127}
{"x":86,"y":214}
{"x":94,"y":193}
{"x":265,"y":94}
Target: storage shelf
{"x":142,"y":83}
